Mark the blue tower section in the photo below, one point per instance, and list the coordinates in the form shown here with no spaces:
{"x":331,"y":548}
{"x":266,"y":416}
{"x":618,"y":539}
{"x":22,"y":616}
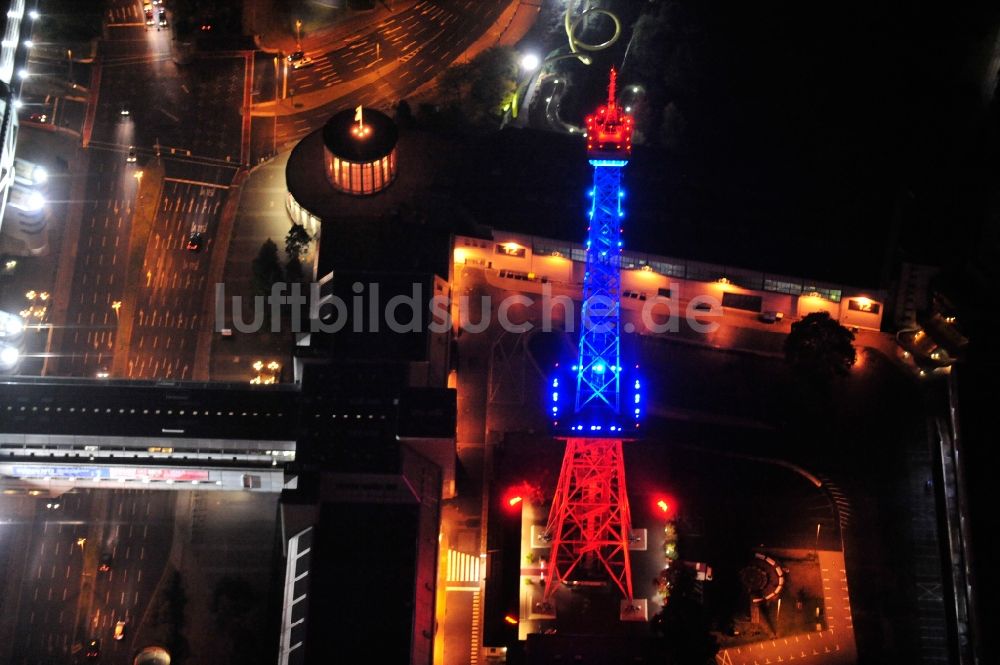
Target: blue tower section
{"x":600,"y":394}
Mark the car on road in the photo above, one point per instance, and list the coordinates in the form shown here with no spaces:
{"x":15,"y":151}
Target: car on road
{"x":9,"y":355}
{"x":131,"y":157}
{"x":105,"y":564}
{"x":29,"y":173}
{"x":11,"y":326}
{"x":93,"y":650}
{"x":771,"y":317}
{"x":149,"y":17}
{"x":194,"y":241}
{"x":299,"y":59}
{"x":163,"y":18}
{"x":125,"y":110}
{"x":119,"y":633}
{"x":40,"y":118}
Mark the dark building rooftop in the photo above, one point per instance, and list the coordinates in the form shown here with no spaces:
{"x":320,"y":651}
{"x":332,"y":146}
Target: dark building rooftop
{"x":340,"y":137}
{"x":63,"y":406}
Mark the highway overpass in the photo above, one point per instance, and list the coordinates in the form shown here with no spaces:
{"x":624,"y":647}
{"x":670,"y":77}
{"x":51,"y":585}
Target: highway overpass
{"x":61,"y":433}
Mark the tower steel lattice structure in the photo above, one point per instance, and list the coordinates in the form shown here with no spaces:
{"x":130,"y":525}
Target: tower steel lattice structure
{"x":596,"y":404}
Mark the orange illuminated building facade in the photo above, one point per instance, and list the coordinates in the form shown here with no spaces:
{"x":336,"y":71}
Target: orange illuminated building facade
{"x":360,"y":151}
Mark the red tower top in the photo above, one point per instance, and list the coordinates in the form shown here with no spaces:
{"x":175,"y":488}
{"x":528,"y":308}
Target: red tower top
{"x":609,"y":132}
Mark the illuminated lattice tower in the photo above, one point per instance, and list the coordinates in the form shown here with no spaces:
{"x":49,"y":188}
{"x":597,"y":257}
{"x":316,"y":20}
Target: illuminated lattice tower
{"x":595,"y":402}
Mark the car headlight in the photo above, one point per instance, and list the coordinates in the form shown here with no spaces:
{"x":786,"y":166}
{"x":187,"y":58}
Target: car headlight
{"x":34,"y":202}
{"x":9,"y":356}
{"x":39,"y":175}
{"x":14,"y":326}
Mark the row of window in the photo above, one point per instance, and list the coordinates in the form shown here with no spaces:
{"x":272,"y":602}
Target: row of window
{"x":355,"y":178}
{"x":145,"y":412}
{"x":692,"y":270}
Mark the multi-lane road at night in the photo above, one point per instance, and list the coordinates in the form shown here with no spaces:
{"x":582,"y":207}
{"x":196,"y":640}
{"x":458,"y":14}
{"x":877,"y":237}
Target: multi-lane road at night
{"x":63,"y":599}
{"x":401,"y":53}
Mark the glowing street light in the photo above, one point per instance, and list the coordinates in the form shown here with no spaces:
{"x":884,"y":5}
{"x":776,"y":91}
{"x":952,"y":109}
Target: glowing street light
{"x":33,"y":15}
{"x":530,"y":62}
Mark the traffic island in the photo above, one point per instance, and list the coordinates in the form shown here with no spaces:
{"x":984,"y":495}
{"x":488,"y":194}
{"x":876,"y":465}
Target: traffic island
{"x":147,"y":188}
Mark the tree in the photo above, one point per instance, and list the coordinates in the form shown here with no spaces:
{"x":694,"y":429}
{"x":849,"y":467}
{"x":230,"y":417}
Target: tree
{"x":819,"y":348}
{"x":404,"y":114}
{"x":683,"y":626}
{"x":480,"y":88}
{"x":673,"y":128}
{"x":266,"y":268}
{"x":294,"y":271}
{"x":297,"y":241}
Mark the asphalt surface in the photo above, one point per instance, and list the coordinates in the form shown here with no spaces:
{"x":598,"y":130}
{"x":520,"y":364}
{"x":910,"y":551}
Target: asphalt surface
{"x":165,"y":322}
{"x":408,"y":50}
{"x":166,"y":123}
{"x":62,"y":599}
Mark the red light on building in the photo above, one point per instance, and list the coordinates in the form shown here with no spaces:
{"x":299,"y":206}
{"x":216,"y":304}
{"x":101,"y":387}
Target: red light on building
{"x":665,"y":505}
{"x":609,"y":133}
{"x":513,"y":501}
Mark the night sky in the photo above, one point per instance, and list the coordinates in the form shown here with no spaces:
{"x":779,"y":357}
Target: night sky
{"x":851,"y":123}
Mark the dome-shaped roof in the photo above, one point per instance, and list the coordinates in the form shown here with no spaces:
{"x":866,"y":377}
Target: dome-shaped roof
{"x":340,"y":137}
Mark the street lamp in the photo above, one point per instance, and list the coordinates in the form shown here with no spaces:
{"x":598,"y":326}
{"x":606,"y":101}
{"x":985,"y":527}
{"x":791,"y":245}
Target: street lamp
{"x":33,"y":14}
{"x":116,"y":305}
{"x":530,"y":62}
{"x":298,"y":35}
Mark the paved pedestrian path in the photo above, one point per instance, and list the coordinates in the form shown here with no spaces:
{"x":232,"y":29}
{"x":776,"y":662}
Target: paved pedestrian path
{"x":832,"y":646}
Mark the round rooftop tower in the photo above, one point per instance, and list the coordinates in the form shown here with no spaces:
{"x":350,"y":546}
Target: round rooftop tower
{"x":359,"y":149}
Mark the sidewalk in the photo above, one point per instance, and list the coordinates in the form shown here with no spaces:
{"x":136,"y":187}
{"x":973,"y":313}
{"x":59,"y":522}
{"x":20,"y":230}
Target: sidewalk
{"x":143,"y":219}
{"x":833,"y":646}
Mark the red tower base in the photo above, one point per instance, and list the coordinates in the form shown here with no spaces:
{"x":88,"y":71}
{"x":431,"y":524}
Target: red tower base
{"x":590,"y":523}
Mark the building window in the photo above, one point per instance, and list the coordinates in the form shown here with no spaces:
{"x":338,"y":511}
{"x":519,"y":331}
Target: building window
{"x":747,"y":302}
{"x":512,"y":249}
{"x":863,"y":305}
